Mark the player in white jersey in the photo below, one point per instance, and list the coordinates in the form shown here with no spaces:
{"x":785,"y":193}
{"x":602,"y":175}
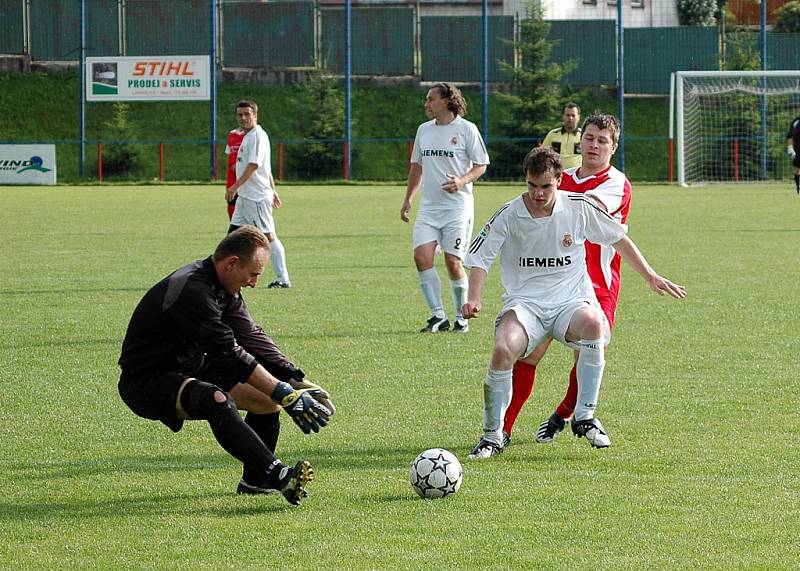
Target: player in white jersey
{"x":448,"y":156}
{"x":540,"y":238}
{"x":609,"y":187}
{"x":255,"y":188}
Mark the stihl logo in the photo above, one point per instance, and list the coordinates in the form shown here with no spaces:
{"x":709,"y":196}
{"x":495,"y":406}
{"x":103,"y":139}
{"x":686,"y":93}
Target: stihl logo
{"x":162,"y":68}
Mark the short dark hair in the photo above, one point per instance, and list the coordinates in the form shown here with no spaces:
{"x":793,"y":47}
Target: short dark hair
{"x":451,"y":93}
{"x":572,"y":105}
{"x":604,"y":121}
{"x":242,"y":242}
{"x":541,"y":160}
{"x":247,"y":103}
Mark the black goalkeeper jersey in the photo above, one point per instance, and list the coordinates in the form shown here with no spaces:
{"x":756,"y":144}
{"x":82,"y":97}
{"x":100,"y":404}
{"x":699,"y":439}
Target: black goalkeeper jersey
{"x":794,"y":134}
{"x":188,"y":323}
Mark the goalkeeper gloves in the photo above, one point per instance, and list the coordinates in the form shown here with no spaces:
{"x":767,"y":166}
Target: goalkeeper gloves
{"x":316,"y":391}
{"x":790,"y":151}
{"x":307,"y":413}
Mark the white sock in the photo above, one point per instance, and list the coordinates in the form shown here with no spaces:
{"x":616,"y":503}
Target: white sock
{"x":496,"y":398}
{"x":591,"y":362}
{"x":432,"y":291}
{"x":458,"y":289}
{"x":277,"y":257}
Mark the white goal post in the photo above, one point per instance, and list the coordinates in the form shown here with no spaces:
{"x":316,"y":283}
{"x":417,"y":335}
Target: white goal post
{"x":730,"y":126}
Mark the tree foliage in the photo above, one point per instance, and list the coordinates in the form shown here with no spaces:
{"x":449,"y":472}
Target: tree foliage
{"x":323,"y":103}
{"x":536,"y":95}
{"x":120,"y":156}
{"x":788,"y":17}
{"x":697,"y":12}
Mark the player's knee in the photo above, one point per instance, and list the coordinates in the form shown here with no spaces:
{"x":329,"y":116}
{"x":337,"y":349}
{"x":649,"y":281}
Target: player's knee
{"x":593,"y":328}
{"x":204,"y":401}
{"x":422,"y":262}
{"x":503,"y":353}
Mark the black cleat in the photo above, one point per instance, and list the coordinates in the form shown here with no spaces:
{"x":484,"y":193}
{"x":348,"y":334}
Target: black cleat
{"x":461,"y":326}
{"x":293,"y":484}
{"x":593,"y":431}
{"x":245,"y":488}
{"x":277,"y":284}
{"x":506,"y":439}
{"x":550,"y":428}
{"x":435,"y":324}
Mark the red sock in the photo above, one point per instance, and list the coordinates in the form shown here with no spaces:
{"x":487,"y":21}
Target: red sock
{"x":567,"y":406}
{"x":522,"y":387}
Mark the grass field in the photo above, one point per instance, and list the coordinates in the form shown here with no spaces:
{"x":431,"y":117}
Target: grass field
{"x":700,"y":396}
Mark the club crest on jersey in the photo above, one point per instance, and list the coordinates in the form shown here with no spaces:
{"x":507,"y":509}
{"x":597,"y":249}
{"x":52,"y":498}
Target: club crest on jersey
{"x":454,"y":140}
{"x":567,"y":240}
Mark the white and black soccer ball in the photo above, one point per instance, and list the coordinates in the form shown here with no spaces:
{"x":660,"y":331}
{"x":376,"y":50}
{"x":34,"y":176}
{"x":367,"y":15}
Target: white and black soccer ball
{"x":436,"y":473}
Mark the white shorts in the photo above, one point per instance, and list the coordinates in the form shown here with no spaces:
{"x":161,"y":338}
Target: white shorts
{"x":255,"y":212}
{"x":453,"y":237}
{"x":540,"y":324}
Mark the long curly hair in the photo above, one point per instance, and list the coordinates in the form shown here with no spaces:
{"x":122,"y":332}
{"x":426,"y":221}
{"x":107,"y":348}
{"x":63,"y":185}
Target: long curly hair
{"x":452,"y":94}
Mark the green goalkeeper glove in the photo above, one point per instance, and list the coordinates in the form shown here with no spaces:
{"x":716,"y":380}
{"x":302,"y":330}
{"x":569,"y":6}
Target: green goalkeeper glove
{"x":307,"y":413}
{"x":316,"y":391}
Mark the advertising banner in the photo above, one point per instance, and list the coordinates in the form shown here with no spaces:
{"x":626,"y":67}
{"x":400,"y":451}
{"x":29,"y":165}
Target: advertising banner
{"x":156,"y":78}
{"x":27,"y":164}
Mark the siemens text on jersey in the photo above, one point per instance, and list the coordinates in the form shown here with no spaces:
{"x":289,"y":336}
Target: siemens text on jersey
{"x":437,"y":153}
{"x":544,"y":262}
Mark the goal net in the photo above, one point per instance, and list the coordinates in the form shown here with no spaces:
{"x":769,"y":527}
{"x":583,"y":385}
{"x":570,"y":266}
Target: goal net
{"x":731,"y":126}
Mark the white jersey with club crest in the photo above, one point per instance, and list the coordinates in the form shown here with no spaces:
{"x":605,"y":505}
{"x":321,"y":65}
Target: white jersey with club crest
{"x":543,"y":260}
{"x":255,"y":149}
{"x":444,"y":150}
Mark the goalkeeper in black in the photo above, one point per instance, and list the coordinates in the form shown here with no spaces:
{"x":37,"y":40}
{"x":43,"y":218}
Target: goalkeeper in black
{"x":192,"y":351}
{"x":793,"y":149}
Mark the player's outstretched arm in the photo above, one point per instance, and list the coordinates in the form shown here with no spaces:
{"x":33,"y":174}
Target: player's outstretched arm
{"x":661,"y":285}
{"x":414,"y":180}
{"x":477,"y":277}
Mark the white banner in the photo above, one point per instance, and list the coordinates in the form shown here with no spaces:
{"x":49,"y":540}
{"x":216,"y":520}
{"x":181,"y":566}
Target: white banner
{"x":27,"y":164}
{"x":173,"y":78}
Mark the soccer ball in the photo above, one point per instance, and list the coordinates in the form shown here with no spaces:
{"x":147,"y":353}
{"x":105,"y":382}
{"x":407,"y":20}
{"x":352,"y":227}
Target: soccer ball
{"x":436,"y":473}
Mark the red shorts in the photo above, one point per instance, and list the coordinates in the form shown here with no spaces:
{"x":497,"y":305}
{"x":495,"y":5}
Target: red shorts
{"x":608,"y":303}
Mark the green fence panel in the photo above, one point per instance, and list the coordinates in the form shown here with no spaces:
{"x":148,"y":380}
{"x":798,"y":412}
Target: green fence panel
{"x":11,"y":33}
{"x":382,"y":41}
{"x":590,"y":45}
{"x":782,"y":51}
{"x":652,"y":54}
{"x":55,"y":29}
{"x":167,"y":27}
{"x":452,"y":51}
{"x":271,"y":36}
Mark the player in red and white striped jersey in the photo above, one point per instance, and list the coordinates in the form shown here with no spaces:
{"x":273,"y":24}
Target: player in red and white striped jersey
{"x":612,"y":191}
{"x":234,"y":141}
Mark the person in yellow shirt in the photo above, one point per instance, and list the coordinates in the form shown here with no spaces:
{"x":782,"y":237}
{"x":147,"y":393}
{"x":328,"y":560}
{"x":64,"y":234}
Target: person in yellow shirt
{"x":565,"y":140}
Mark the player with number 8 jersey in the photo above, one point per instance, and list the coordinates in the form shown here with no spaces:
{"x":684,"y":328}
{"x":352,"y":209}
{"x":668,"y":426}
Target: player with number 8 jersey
{"x":448,"y":155}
